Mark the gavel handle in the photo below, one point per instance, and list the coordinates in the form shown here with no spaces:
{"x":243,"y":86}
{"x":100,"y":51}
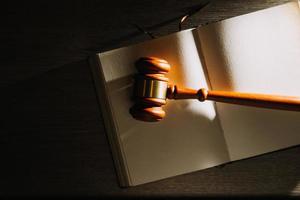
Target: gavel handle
{"x":247,"y":99}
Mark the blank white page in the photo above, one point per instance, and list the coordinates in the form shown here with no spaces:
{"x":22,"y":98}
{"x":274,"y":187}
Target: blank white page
{"x":258,"y":52}
{"x":189,"y":138}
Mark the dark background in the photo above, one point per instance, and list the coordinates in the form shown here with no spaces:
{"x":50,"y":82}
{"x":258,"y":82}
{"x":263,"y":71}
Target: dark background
{"x":53,"y":141}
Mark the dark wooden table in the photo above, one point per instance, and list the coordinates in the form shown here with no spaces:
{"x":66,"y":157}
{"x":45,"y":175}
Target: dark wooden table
{"x":53,"y":140}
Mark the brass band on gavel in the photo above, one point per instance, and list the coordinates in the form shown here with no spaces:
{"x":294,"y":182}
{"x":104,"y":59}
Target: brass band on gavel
{"x":151,"y":88}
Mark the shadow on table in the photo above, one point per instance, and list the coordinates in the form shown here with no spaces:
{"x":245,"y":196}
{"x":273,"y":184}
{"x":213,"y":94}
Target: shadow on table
{"x":53,"y":136}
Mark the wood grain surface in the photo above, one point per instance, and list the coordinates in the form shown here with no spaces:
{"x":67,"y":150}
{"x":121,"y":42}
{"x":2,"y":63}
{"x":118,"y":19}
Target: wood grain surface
{"x":53,"y":141}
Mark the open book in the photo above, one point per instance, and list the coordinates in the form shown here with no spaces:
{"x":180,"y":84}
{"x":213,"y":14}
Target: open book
{"x":257,"y":52}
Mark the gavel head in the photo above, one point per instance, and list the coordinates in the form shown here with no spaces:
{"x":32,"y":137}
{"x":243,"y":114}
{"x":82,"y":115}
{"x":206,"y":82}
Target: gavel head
{"x":150,"y":89}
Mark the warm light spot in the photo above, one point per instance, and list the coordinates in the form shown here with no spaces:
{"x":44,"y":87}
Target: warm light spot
{"x":296,"y":190}
{"x":193,"y":76}
{"x":183,"y":18}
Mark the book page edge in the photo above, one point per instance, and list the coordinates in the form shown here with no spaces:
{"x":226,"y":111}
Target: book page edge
{"x":120,"y":164}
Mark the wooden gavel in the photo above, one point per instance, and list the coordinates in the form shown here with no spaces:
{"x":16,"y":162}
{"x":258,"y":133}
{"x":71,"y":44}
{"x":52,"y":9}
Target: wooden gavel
{"x":151,"y":90}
